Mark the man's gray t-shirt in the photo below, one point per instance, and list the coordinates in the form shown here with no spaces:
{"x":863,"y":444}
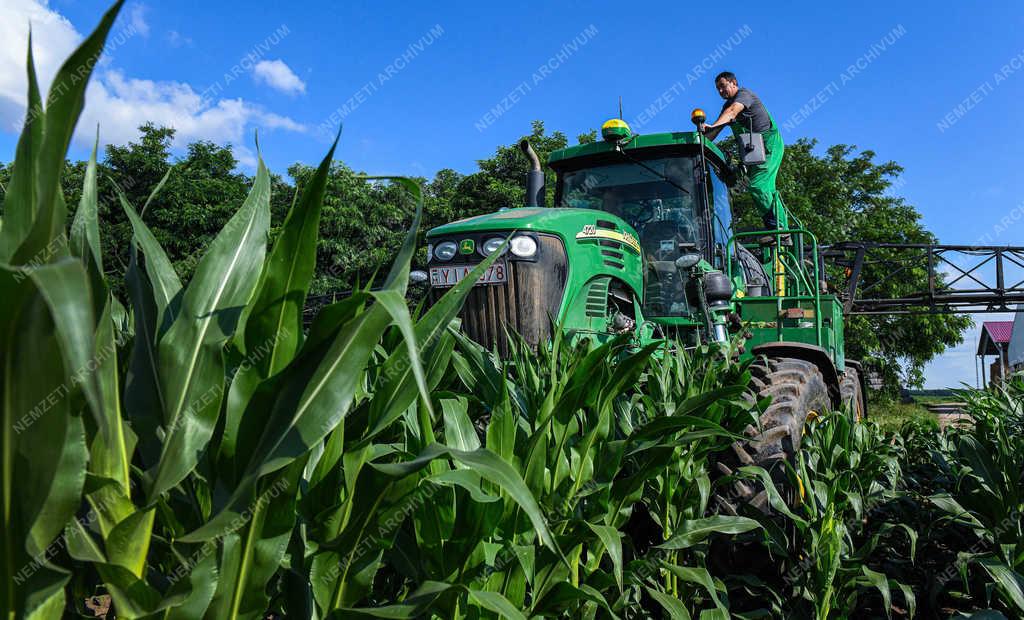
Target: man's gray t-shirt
{"x":753,"y":109}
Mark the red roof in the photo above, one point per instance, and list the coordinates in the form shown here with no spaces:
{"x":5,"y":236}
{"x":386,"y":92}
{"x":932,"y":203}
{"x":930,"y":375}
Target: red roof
{"x":998,"y":331}
{"x":994,"y":333}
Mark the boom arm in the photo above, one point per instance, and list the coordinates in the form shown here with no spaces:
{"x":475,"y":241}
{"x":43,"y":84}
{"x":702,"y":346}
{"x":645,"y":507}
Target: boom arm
{"x":955,"y":278}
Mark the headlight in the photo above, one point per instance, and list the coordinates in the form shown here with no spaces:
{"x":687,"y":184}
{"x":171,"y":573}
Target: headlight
{"x":445,"y":251}
{"x":491,"y":246}
{"x":523,"y":247}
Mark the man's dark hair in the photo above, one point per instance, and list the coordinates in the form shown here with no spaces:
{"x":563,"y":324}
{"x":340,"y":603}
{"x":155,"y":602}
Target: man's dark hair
{"x":727,"y":75}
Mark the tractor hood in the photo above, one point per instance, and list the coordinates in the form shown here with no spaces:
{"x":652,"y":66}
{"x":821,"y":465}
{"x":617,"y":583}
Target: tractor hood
{"x":565,"y":222}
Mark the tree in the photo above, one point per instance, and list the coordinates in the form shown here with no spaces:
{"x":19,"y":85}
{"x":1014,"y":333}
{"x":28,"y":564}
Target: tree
{"x":500,"y":183}
{"x":362,"y":225}
{"x":844,"y":195}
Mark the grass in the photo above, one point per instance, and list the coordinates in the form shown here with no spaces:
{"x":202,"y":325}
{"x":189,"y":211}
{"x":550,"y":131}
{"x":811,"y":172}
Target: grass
{"x":892,"y":416}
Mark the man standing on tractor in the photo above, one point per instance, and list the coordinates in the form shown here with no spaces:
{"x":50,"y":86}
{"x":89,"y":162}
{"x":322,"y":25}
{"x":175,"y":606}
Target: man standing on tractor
{"x":745,"y":113}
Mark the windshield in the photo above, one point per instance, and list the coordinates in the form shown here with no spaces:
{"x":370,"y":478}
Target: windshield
{"x":640,"y":194}
{"x":663,"y":212}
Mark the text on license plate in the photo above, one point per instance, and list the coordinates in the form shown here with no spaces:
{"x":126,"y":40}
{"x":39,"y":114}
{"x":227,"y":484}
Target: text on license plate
{"x":450,"y":275}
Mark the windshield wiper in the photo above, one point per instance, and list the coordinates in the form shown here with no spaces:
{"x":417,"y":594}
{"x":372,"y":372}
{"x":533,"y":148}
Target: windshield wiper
{"x":653,"y":171}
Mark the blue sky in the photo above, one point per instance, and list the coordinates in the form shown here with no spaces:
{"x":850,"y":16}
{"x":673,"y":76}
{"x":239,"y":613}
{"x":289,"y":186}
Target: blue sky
{"x":941,"y":95}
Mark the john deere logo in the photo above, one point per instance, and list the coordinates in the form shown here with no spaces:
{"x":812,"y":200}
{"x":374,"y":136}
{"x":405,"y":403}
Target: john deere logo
{"x":466,"y":246}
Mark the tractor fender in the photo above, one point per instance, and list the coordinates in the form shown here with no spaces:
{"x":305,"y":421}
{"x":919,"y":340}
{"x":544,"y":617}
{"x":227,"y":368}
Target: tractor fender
{"x":809,"y":353}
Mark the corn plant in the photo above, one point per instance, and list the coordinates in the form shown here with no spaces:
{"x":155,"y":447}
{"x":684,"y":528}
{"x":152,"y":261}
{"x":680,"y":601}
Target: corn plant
{"x":827,"y":543}
{"x":986,"y":459}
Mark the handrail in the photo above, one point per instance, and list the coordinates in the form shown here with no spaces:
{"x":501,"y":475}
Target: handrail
{"x":804,"y":290}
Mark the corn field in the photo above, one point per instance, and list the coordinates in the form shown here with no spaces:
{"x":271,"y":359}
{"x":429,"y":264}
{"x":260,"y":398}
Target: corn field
{"x":195,"y":451}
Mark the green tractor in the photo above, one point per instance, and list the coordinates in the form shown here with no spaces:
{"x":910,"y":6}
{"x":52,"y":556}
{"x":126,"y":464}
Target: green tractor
{"x":640,"y":241}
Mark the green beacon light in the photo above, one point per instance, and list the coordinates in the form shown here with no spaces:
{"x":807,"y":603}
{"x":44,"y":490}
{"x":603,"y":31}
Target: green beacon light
{"x":615,"y":130}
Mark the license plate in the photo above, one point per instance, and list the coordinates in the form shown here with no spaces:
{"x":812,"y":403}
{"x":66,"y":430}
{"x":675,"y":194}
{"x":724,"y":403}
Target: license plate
{"x":450,"y":275}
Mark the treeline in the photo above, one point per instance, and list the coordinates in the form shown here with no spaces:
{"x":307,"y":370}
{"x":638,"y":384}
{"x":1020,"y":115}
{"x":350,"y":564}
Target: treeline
{"x":840,"y":194}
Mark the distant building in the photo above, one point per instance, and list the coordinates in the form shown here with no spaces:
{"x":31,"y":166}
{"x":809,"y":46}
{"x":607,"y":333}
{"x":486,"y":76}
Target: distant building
{"x":1016,"y":349}
{"x":995,"y":340}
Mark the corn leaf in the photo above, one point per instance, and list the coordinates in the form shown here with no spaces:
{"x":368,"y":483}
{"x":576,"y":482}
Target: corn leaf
{"x":190,"y":358}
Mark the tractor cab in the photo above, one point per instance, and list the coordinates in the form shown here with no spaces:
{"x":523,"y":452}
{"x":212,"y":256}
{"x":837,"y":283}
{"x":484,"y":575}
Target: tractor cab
{"x":673,"y":198}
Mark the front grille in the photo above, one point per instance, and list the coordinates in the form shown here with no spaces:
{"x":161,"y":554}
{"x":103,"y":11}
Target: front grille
{"x":525,"y":304}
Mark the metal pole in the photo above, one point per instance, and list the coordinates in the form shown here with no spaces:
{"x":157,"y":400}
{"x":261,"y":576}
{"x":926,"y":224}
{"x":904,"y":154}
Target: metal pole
{"x":1002,"y":363}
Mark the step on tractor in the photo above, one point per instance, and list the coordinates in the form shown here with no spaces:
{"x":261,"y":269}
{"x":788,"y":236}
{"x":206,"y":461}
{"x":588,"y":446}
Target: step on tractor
{"x":640,"y":241}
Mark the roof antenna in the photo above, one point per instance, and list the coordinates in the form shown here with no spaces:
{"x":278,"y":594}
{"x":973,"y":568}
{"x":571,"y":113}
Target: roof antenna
{"x":620,"y":107}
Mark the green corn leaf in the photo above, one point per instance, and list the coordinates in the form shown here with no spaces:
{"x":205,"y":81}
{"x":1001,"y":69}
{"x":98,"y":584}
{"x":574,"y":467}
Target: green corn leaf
{"x":1009,"y":582}
{"x":950,"y":506}
{"x":303,"y":404}
{"x":110,"y":455}
{"x":128,"y":543}
{"x":492,"y":468}
{"x":195,"y":592}
{"x":673,"y":606}
{"x":611,"y":540}
{"x":467,"y":479}
{"x":497,"y":603}
{"x":80,"y":543}
{"x":908,"y":597}
{"x":693,"y":531}
{"x":395,"y":394}
{"x":275,"y":314}
{"x":63,"y":106}
{"x":775,"y":499}
{"x":85,"y":230}
{"x":252,"y":555}
{"x":564,"y":594}
{"x":64,"y":285}
{"x":701,"y":577}
{"x":166,"y":286}
{"x":190,"y":358}
{"x":133,"y":597}
{"x":881,"y":583}
{"x":144,"y":401}
{"x":20,"y":198}
{"x":271,"y":326}
{"x":43,"y":455}
{"x":416,"y":605}
{"x":459,"y":431}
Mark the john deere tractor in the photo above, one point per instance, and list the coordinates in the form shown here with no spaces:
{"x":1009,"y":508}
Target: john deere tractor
{"x":640,"y":240}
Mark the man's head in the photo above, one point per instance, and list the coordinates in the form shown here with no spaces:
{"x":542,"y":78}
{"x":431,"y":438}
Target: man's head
{"x":726,"y":84}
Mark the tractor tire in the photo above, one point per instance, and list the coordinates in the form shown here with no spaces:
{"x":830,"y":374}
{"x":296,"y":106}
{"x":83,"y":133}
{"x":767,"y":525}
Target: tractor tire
{"x":853,"y":394}
{"x":798,"y":391}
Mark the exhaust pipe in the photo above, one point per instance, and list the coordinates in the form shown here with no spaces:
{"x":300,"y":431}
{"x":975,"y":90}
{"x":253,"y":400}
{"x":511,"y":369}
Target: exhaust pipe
{"x":534,"y":178}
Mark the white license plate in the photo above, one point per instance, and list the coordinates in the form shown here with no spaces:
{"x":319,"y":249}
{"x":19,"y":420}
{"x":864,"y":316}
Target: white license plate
{"x":451,"y":275}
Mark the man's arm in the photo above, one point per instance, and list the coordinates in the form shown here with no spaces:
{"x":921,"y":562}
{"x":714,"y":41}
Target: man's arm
{"x":727,"y":116}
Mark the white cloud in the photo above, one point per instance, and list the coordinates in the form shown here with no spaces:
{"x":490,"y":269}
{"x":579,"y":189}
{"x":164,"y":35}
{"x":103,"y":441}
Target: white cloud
{"x":137,"y":18}
{"x":278,"y":75}
{"x":120,"y":104}
{"x":176,"y":39}
{"x":117,"y":102}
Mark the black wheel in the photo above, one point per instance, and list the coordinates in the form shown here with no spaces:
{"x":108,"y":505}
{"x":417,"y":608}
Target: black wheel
{"x":853,"y":394}
{"x":798,"y":392}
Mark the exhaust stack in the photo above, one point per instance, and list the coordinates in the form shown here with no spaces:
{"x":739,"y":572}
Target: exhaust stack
{"x":534,"y":178}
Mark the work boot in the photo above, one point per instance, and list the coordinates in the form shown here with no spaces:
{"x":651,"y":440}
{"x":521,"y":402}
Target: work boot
{"x":771,"y":223}
{"x":769,"y":240}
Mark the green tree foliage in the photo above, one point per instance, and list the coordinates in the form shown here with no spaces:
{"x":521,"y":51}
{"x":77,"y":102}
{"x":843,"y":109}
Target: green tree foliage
{"x":845,"y":195}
